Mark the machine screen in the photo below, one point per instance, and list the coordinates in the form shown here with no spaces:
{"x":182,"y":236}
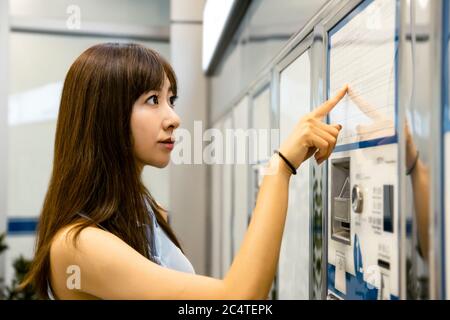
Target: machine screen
{"x":362,"y":54}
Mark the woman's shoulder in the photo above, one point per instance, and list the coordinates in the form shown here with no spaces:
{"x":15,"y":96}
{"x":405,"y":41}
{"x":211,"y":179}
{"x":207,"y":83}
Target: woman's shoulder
{"x":67,"y":252}
{"x":66,"y":246}
{"x":95,"y":256}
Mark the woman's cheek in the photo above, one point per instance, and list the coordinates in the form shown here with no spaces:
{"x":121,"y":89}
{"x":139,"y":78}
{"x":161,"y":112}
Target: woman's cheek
{"x":144,"y":133}
{"x":146,"y":128}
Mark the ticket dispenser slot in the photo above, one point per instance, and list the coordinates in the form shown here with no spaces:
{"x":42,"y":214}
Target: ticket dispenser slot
{"x":340,"y":200}
{"x":385,"y":286}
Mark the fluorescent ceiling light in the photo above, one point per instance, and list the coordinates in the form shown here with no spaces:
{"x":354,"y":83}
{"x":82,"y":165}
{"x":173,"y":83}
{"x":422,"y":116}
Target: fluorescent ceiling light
{"x":215,"y":17}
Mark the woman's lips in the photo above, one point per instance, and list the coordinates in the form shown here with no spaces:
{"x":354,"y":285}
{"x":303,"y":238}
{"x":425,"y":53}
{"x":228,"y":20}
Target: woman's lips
{"x":168,"y":144}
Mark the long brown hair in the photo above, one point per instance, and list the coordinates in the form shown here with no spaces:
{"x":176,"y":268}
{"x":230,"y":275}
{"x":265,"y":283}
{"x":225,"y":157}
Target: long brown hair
{"x":94,"y":165}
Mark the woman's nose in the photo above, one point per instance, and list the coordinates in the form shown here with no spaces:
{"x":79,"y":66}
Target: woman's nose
{"x":172,"y":120}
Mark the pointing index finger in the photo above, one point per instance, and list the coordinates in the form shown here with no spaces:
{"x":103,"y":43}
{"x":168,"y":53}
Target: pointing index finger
{"x":328,"y":105}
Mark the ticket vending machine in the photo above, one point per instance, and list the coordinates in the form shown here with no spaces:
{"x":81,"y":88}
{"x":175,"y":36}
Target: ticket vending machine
{"x":260,"y":146}
{"x":362,"y":206}
{"x":294,"y":265}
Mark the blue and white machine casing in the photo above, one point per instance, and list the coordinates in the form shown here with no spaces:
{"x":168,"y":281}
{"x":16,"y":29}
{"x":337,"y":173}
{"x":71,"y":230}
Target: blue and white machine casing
{"x":369,"y":243}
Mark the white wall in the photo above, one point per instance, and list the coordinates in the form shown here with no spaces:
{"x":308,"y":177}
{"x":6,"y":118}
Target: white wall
{"x":41,"y":61}
{"x":138,"y":12}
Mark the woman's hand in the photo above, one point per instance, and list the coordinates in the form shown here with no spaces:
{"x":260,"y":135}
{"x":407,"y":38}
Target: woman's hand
{"x":313,"y":137}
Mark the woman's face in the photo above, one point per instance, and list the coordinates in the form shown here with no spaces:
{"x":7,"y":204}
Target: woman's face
{"x":153,"y":121}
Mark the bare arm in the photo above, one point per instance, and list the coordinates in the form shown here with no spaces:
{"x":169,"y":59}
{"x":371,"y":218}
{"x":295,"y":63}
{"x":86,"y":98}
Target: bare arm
{"x":255,"y":265}
{"x":111,"y":269}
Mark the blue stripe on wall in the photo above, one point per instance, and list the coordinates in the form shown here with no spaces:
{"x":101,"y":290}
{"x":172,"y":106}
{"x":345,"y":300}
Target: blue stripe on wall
{"x":22,"y":225}
{"x":366,"y":144}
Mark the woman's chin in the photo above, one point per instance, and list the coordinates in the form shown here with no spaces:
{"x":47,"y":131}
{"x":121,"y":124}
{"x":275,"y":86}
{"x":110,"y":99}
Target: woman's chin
{"x":160,"y":163}
{"x":161,"y":166}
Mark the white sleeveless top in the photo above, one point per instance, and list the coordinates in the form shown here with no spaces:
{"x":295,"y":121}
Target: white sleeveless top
{"x":164,"y":251}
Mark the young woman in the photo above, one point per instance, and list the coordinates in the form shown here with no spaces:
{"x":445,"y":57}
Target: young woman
{"x":116,"y":116}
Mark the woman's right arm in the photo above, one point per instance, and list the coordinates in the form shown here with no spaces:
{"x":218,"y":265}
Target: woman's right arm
{"x":255,"y":264}
{"x":110,"y":269}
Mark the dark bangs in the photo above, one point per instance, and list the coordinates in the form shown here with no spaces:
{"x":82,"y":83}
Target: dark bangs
{"x":146,"y":70}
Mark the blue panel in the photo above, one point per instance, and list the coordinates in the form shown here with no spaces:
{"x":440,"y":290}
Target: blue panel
{"x":367,"y":144}
{"x":356,"y":287}
{"x":445,"y":67}
{"x":22,"y":226}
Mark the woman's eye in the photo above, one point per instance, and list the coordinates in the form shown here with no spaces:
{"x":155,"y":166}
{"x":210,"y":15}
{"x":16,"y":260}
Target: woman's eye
{"x":152,"y":100}
{"x":172,"y":100}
